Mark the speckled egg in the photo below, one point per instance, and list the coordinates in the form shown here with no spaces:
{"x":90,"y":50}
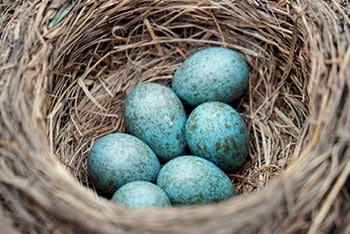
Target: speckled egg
{"x":156,"y":115}
{"x":141,"y":194}
{"x":191,"y":180}
{"x":119,"y":158}
{"x":212,"y":74}
{"x":216,"y":131}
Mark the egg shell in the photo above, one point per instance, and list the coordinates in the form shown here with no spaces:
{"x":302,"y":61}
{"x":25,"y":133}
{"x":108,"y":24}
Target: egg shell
{"x":216,"y":131}
{"x":119,"y":158}
{"x":141,"y":194}
{"x":211,"y":74}
{"x":156,"y":115}
{"x":191,"y":180}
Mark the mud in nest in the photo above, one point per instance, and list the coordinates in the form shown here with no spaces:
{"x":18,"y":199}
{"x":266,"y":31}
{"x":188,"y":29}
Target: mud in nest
{"x":64,"y":86}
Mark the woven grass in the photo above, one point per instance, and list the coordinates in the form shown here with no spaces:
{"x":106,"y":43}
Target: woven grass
{"x":61,"y":88}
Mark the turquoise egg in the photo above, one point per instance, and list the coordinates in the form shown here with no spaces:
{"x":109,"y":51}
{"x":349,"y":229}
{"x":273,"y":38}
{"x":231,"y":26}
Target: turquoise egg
{"x":119,"y":158}
{"x":156,"y":115}
{"x":141,"y":194}
{"x":212,"y":74}
{"x":191,"y":180}
{"x":216,"y":131}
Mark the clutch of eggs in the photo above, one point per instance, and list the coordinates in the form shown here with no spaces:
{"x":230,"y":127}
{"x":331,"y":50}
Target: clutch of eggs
{"x":128,"y":165}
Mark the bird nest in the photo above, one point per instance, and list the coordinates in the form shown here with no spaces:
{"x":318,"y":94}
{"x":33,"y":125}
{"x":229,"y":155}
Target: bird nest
{"x":66,"y":69}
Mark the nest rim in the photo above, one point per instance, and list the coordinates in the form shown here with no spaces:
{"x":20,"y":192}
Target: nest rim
{"x":253,"y":203}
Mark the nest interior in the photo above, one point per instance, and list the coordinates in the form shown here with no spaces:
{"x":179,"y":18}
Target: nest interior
{"x":146,"y":43}
{"x":64,"y":85}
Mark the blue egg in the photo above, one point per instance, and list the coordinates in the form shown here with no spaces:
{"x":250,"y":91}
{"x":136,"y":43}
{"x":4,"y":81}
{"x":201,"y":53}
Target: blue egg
{"x":191,"y":180}
{"x":216,"y":131}
{"x":119,"y":158}
{"x":141,"y":194}
{"x":156,"y":115}
{"x":212,"y":74}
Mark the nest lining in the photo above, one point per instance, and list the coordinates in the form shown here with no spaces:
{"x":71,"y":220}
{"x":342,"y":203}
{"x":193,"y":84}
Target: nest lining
{"x":147,"y":44}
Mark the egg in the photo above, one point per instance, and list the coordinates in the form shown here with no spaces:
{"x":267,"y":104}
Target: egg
{"x":191,"y":180}
{"x":119,"y":158}
{"x":156,"y":115}
{"x":141,"y":194}
{"x":216,"y":131}
{"x":211,"y":74}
